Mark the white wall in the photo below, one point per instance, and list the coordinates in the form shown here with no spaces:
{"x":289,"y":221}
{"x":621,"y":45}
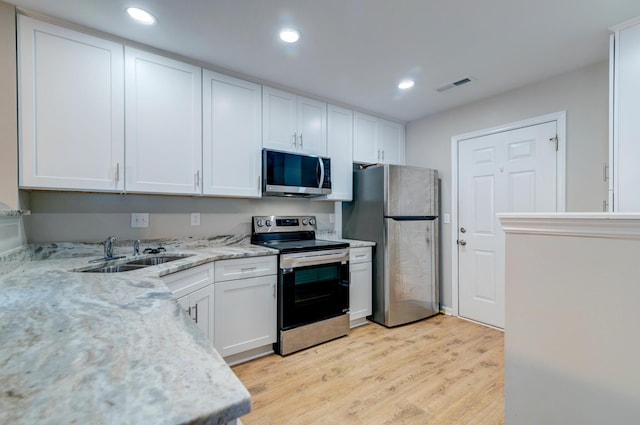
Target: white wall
{"x":83,"y":217}
{"x":582,"y":93}
{"x":571,"y":347}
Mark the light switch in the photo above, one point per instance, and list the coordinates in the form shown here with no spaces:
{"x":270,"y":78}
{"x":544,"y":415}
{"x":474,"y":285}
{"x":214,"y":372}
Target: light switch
{"x":446,"y":218}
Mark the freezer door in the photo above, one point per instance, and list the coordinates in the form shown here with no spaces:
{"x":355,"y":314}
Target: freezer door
{"x":410,"y":191}
{"x":411,"y":270}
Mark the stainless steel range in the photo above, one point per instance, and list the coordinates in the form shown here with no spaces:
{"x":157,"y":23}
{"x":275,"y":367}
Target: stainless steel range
{"x":313,"y":281}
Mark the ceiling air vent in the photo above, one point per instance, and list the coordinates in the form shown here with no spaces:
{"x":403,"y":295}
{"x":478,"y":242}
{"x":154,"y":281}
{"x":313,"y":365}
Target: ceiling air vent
{"x":458,"y":83}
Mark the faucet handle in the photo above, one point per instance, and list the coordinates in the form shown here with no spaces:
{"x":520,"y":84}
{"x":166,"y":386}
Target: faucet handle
{"x":136,"y":247}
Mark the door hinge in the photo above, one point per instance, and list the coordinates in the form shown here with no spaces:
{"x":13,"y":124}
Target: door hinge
{"x":555,"y":140}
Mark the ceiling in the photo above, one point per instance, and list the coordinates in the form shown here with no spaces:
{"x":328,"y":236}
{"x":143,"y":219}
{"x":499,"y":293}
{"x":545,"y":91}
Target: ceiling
{"x":354,"y":52}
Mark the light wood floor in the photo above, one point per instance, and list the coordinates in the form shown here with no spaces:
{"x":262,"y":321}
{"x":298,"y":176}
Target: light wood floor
{"x":442,"y":370}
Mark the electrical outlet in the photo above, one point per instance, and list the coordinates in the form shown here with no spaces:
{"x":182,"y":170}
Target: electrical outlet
{"x":332,"y":218}
{"x":446,"y":218}
{"x":139,"y":220}
{"x":195,"y":219}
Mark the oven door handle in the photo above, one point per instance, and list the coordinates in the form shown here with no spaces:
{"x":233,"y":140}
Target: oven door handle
{"x":295,"y":262}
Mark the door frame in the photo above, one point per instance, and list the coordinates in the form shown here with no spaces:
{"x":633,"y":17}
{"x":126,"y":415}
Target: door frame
{"x":561,"y":119}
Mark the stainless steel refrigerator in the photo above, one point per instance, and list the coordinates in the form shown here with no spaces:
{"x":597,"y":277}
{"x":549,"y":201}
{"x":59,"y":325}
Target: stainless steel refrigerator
{"x":397,"y":207}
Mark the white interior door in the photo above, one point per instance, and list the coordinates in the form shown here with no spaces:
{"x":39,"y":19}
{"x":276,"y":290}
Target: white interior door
{"x":510,"y":171}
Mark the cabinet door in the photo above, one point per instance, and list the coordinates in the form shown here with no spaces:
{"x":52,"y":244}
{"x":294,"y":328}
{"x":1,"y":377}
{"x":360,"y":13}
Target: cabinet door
{"x":626,"y":123}
{"x":340,"y":150}
{"x":390,"y":142}
{"x":279,"y":120}
{"x":232,"y":136}
{"x":164,"y":124}
{"x":202,"y":309}
{"x":245,"y":314}
{"x":364,"y":138}
{"x":71,"y":89}
{"x":312,"y":126}
{"x":360,"y":291}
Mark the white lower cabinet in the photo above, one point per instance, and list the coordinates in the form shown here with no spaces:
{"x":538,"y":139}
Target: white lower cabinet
{"x":360,"y":281}
{"x":195,"y":292}
{"x":245,"y":307}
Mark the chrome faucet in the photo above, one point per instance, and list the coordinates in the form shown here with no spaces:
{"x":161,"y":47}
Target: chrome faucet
{"x":108,"y":247}
{"x":136,"y":247}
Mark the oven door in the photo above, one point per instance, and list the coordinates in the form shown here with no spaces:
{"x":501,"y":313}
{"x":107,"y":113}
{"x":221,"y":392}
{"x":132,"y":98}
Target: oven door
{"x":313,"y":286}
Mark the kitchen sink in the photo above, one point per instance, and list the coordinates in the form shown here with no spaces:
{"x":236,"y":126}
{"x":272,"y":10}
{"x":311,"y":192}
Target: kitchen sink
{"x":153,"y":261}
{"x":136,"y":264}
{"x":114,"y":269}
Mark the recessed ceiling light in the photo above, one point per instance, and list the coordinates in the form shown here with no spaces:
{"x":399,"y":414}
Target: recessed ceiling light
{"x":289,"y":35}
{"x":141,"y":16}
{"x":406,"y":84}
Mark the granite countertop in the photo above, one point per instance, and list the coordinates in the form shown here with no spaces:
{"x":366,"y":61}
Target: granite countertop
{"x":353,"y":243}
{"x":110,"y":348}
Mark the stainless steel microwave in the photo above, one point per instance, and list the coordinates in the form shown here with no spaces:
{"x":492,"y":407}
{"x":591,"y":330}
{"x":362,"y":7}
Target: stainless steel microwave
{"x":292,"y":174}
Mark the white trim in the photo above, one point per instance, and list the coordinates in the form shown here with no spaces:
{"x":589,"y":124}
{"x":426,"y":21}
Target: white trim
{"x":612,"y":110}
{"x":596,"y":225}
{"x":446,"y":310}
{"x":561,"y":205}
{"x":625,"y":24}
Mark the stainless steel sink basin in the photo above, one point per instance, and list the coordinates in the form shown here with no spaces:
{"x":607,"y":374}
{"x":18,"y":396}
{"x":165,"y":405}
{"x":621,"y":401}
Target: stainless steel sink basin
{"x":114,"y":269}
{"x":160,"y":259}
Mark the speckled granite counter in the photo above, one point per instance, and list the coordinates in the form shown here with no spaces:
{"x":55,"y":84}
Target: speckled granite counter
{"x":109,"y":348}
{"x":353,"y":243}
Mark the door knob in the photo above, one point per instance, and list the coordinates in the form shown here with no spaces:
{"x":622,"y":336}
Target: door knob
{"x":463,"y":230}
{"x":462,"y":242}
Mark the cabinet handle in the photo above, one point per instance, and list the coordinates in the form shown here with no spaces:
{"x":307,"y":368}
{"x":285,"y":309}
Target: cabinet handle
{"x":196,"y":309}
{"x":295,"y":140}
{"x":197,"y":178}
{"x":274,"y":290}
{"x":300,"y":140}
{"x":378,"y":157}
{"x":117,"y":172}
{"x":259,"y":182}
{"x":248,"y":269}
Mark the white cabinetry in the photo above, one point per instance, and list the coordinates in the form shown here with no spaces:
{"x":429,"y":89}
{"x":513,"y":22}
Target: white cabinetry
{"x":245,"y":307}
{"x":377,"y":140}
{"x":360,"y":281}
{"x":340,"y":150}
{"x":195,"y":292}
{"x":293,"y":123}
{"x":232,"y":136}
{"x":163,"y":124}
{"x":71,"y":102}
{"x":625,"y":104}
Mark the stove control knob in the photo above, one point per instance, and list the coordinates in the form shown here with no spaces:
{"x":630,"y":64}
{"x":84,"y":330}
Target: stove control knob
{"x":305,"y":221}
{"x":268,"y":223}
{"x":260,"y":222}
{"x":312,"y":221}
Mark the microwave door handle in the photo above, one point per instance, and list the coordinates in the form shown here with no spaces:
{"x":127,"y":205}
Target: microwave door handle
{"x":321,"y":181}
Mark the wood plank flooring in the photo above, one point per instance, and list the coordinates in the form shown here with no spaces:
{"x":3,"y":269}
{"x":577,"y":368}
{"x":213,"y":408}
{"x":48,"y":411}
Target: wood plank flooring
{"x":442,"y":370}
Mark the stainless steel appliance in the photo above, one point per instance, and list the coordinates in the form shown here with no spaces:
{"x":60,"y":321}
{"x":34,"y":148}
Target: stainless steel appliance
{"x":291,"y":174}
{"x":397,"y":207}
{"x":313,"y":281}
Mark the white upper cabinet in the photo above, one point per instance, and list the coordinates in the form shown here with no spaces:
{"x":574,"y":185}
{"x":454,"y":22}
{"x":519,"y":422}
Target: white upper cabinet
{"x":232,"y":136}
{"x":625,"y":103}
{"x":293,"y":123}
{"x":390,"y":142}
{"x":377,"y":140}
{"x":71,"y":104}
{"x":340,"y":150}
{"x":163,"y":124}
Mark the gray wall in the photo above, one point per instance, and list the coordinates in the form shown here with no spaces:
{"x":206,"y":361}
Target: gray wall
{"x":583,"y":94}
{"x":69,"y":216}
{"x":8,"y":110}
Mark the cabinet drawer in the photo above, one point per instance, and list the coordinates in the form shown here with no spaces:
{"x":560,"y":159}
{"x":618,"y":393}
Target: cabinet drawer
{"x":187,"y":281}
{"x":360,"y":255}
{"x":241,"y":268}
